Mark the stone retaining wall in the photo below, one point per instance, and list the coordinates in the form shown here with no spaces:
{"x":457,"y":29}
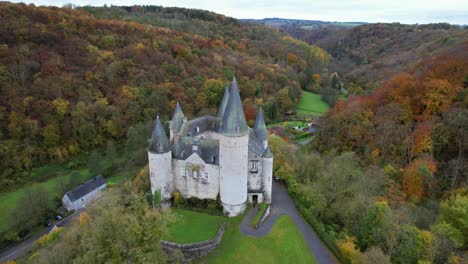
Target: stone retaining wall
{"x":196,"y":250}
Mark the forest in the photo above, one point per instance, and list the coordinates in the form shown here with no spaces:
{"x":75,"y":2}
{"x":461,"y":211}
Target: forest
{"x":383,"y":181}
{"x":71,"y":81}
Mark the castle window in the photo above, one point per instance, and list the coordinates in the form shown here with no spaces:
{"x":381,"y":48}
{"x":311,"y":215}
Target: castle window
{"x":194,"y":148}
{"x":254,"y":166}
{"x":195,"y":174}
{"x":183,"y":172}
{"x":197,"y":129}
{"x":205,"y":177}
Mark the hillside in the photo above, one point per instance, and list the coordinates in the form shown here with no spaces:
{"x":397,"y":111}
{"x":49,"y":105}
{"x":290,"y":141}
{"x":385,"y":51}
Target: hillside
{"x":368,"y":54}
{"x":71,"y":81}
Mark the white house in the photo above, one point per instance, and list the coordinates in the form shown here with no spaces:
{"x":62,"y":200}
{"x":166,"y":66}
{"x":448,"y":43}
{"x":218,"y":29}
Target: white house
{"x":84,"y":193}
{"x":210,"y":156}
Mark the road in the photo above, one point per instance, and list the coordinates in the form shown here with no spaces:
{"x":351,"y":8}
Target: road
{"x":282,"y":203}
{"x":24,"y":247}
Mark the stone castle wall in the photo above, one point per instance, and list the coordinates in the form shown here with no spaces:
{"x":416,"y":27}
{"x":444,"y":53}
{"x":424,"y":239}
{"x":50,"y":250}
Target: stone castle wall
{"x":196,"y":250}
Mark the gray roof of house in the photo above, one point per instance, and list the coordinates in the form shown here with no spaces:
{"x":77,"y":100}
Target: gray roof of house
{"x":224,"y":102}
{"x":259,"y":127}
{"x":208,"y":149}
{"x":255,"y":145}
{"x":177,"y":118}
{"x":268,"y":153}
{"x":85,"y":188}
{"x":204,"y":123}
{"x":159,"y":143}
{"x":234,"y":124}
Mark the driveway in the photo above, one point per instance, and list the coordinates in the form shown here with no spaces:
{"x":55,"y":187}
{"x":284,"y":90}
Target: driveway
{"x":282,"y":203}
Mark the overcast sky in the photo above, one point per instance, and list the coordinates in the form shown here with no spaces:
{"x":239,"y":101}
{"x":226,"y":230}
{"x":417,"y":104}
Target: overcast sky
{"x":404,"y":11}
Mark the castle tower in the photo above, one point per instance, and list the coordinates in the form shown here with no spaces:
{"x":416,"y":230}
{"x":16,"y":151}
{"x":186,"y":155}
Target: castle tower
{"x":233,"y":155}
{"x":176,"y":122}
{"x":267,"y":174}
{"x":224,"y":102}
{"x":260,"y":128}
{"x":160,"y":162}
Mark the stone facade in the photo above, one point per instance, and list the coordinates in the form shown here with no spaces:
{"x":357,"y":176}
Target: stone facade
{"x":83,"y":194}
{"x":210,"y":156}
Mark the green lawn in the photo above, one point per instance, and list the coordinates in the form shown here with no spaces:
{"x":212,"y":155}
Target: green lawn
{"x":8,"y":200}
{"x":311,"y":104}
{"x":284,"y":244}
{"x":192,"y":226}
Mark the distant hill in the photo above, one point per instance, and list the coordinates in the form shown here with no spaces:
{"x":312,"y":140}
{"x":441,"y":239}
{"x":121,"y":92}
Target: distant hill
{"x":368,"y":54}
{"x":300,"y":23}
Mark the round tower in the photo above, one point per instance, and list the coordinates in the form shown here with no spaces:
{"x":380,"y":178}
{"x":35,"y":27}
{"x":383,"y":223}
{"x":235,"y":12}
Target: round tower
{"x":160,"y":162}
{"x":267,"y":175}
{"x":233,"y":155}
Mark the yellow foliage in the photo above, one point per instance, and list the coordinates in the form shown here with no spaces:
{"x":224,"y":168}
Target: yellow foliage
{"x":84,"y":217}
{"x":348,"y":249}
{"x":176,"y":196}
{"x":45,"y":239}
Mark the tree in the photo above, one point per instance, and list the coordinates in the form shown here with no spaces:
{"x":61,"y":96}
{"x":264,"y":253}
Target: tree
{"x":409,"y":247}
{"x":213,"y":91}
{"x":375,"y":255}
{"x":417,"y":178}
{"x":453,"y":219}
{"x":376,"y":226}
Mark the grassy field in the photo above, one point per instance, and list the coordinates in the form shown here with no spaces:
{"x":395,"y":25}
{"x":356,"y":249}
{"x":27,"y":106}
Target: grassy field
{"x":193,"y":226}
{"x":56,"y":175}
{"x":284,"y":244}
{"x":311,"y":104}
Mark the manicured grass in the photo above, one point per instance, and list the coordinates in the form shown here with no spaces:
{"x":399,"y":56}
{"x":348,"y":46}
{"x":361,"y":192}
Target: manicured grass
{"x":284,"y":244}
{"x":261,"y":209}
{"x":311,"y":104}
{"x":289,"y":124}
{"x":192,"y":226}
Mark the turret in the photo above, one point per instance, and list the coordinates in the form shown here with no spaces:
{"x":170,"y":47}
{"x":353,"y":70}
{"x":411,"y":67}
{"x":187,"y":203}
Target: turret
{"x":260,"y":128}
{"x":224,"y":103}
{"x":160,"y":162}
{"x":176,"y":122}
{"x":267,"y":174}
{"x":233,"y":155}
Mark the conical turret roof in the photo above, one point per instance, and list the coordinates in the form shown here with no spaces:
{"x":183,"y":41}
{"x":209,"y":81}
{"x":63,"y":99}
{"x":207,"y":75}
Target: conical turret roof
{"x":259,"y":127}
{"x":177,"y":118}
{"x":234,"y":124}
{"x":267,"y":153}
{"x":224,"y":103}
{"x":159,"y":143}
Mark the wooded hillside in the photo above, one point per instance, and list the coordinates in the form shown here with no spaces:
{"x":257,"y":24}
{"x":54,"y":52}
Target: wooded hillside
{"x":71,"y":81}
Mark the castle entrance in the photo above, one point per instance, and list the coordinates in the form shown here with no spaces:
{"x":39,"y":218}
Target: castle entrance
{"x":255,"y":199}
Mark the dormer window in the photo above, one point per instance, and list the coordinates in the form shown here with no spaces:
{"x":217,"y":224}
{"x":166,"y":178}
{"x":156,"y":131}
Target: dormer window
{"x":237,"y":129}
{"x":197,"y":129}
{"x":194,"y":148}
{"x":213,"y":159}
{"x":254,"y":166}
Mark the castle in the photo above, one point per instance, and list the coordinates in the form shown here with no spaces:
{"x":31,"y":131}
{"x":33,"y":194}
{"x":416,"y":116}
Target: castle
{"x":210,"y":156}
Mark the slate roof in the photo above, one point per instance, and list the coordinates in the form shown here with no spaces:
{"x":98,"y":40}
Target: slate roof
{"x":268,"y":153}
{"x":85,"y":188}
{"x":234,"y":124}
{"x":255,"y":145}
{"x":208,"y":149}
{"x":159,"y":143}
{"x":224,"y":102}
{"x":204,"y":123}
{"x":177,"y":118}
{"x":259,"y":127}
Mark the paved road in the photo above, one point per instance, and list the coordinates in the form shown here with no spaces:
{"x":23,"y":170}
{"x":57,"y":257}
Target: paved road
{"x":282,"y":203}
{"x":24,"y":247}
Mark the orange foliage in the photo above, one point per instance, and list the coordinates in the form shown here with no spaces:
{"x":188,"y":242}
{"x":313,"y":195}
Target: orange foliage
{"x":422,"y":138}
{"x":418,"y":174}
